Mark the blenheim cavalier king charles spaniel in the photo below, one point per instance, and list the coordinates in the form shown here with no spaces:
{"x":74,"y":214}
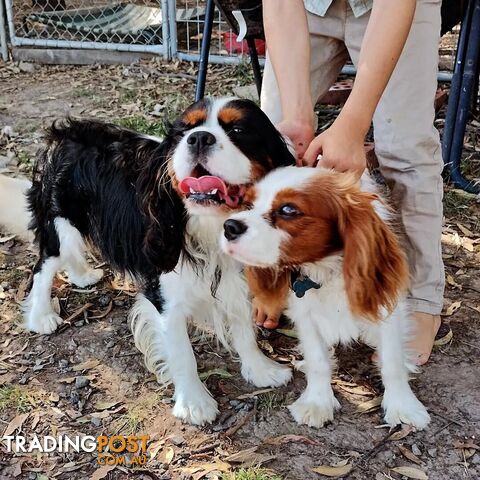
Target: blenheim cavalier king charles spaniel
{"x":318,"y":243}
{"x":156,"y":209}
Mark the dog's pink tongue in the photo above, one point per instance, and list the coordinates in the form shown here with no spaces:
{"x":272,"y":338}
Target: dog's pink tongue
{"x":203,"y":184}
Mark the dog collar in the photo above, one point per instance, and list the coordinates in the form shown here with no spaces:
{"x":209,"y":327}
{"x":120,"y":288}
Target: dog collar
{"x":301,"y":283}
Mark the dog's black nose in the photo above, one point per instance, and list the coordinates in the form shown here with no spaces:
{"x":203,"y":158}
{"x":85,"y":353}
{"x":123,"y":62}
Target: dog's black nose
{"x":233,"y":229}
{"x":201,"y":140}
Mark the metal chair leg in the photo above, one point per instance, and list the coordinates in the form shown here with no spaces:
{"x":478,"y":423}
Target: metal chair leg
{"x":257,"y":73}
{"x":470,"y":69}
{"x":456,"y":85}
{"x":205,"y":50}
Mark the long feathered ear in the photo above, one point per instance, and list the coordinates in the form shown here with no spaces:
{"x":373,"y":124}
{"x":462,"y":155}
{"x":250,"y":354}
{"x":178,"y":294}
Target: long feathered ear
{"x":375,"y":269}
{"x":269,"y":288}
{"x":164,"y":210}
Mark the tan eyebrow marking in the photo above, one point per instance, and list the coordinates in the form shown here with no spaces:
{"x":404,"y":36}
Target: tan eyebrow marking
{"x":229,"y":115}
{"x":194,"y":117}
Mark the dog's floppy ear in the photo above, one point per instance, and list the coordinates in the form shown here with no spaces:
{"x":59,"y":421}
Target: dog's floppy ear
{"x":164,"y":210}
{"x":375,"y":269}
{"x":269,"y":289}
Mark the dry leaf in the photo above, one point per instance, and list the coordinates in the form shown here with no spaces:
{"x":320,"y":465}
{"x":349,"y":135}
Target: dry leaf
{"x":166,"y":456}
{"x":6,"y":239}
{"x":411,"y":472}
{"x":78,"y":312}
{"x":56,"y":305}
{"x":467,"y":244}
{"x":220,"y":372}
{"x":266,"y":345}
{"x":464,"y":230}
{"x":409,"y":455}
{"x":53,"y":397}
{"x":200,"y":470}
{"x":102,"y":472}
{"x":288,"y":332}
{"x":100,"y":406}
{"x":354,"y":389}
{"x":155,"y":448}
{"x":15,"y":424}
{"x":333,"y":472}
{"x":451,"y":281}
{"x":36,"y":419}
{"x":104,"y":313}
{"x":255,"y":393}
{"x":249,"y":457}
{"x":370,"y":405}
{"x":453,"y":308}
{"x":89,"y":364}
{"x":402,"y":433}
{"x":444,"y":340}
{"x":469,"y":444}
{"x":282,"y":439}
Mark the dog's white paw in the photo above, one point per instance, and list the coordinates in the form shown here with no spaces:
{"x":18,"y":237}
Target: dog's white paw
{"x":90,"y":277}
{"x":44,"y":324}
{"x":196,"y":408}
{"x":405,"y":409}
{"x":314,"y":411}
{"x":266,"y":373}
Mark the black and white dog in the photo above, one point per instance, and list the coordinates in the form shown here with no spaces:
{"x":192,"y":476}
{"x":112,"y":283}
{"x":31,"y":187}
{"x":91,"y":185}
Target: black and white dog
{"x":156,"y":210}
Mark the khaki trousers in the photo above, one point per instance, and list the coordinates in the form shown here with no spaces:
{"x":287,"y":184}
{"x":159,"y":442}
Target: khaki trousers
{"x":406,"y":142}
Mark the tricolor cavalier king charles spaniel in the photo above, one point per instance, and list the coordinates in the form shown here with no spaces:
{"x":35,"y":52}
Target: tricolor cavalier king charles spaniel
{"x":318,"y":243}
{"x":156,"y":210}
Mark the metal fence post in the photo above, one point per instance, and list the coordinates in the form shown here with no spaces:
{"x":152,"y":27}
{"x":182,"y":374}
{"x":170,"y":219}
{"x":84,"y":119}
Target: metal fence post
{"x":3,"y":33}
{"x":172,"y":28}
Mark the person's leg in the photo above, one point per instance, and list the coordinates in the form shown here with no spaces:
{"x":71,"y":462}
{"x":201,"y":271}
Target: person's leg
{"x":408,"y":149}
{"x":328,"y":55}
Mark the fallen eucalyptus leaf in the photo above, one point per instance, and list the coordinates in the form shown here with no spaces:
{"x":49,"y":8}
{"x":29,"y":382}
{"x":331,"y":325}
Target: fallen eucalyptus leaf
{"x":444,"y":340}
{"x":411,"y":472}
{"x":333,"y":472}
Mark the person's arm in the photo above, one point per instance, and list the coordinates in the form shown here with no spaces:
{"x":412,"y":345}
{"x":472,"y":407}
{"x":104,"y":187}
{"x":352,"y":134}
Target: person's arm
{"x":341,"y":146}
{"x":286,"y":33}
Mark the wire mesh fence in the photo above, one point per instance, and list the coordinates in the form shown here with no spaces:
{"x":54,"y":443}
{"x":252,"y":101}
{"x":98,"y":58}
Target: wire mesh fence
{"x":173,"y":28}
{"x":225,"y":46}
{"x":141,"y":25}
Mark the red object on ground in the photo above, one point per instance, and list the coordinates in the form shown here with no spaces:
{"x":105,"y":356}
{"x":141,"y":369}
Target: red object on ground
{"x":232,"y":45}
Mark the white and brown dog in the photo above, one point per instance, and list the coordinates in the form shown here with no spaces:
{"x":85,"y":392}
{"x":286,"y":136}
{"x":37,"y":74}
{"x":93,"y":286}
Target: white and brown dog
{"x":321,"y":246}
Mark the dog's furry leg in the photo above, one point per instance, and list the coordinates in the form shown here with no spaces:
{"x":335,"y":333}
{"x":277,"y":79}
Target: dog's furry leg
{"x":399,"y":402}
{"x":163,"y":333}
{"x":14,"y":214}
{"x":39,"y":314}
{"x":72,"y":253}
{"x":256,"y":367}
{"x":317,"y":404}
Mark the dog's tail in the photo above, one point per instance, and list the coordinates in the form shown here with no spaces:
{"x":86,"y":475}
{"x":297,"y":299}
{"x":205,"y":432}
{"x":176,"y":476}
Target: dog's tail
{"x":14,"y":213}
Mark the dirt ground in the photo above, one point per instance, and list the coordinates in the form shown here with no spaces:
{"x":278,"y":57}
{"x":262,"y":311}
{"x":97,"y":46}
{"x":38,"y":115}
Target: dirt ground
{"x":88,"y":378}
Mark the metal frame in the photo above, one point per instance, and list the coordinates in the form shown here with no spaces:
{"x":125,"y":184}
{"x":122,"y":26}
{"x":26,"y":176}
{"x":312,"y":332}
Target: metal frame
{"x":205,"y":56}
{"x":464,"y":87}
{"x":3,"y":33}
{"x":123,"y":47}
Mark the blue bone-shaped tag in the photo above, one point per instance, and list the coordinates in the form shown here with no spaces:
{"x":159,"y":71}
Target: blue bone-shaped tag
{"x":303,"y":284}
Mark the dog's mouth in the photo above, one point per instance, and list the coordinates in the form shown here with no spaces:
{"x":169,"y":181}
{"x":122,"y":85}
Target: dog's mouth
{"x":206,"y":189}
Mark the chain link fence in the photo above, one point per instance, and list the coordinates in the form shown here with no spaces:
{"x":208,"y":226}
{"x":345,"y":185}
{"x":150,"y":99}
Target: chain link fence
{"x":172,"y":28}
{"x":224,"y":47}
{"x":139,"y":25}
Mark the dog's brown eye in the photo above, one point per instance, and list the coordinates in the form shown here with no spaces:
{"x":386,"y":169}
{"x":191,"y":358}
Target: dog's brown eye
{"x":237,"y":130}
{"x":288,"y":210}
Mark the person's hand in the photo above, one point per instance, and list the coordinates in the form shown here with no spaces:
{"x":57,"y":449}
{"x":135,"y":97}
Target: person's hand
{"x":341,"y":147}
{"x":300,"y":132}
